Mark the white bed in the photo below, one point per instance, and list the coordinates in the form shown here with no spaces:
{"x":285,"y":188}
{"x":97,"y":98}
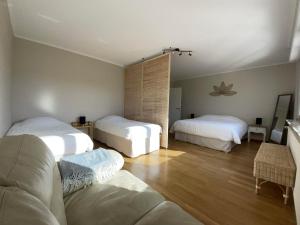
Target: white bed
{"x":213,"y":131}
{"x":133,"y":138}
{"x":61,"y":138}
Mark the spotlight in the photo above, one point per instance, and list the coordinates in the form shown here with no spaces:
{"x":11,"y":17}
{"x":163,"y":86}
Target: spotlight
{"x":178,"y":51}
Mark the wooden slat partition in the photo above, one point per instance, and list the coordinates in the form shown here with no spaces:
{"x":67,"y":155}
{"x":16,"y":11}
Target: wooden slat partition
{"x":156,"y":88}
{"x":147,"y":87}
{"x":133,"y":92}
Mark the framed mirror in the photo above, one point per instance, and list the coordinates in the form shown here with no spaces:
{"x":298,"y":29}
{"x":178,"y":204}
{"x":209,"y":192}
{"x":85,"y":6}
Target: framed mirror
{"x":281,"y":113}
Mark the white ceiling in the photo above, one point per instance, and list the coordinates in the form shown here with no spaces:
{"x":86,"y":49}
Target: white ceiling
{"x":225,"y":35}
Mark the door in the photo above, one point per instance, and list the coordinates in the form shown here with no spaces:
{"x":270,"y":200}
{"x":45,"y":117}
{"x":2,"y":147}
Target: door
{"x":175,"y":105}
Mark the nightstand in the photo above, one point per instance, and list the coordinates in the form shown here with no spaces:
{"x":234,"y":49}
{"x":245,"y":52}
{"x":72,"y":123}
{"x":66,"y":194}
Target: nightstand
{"x":258,"y":130}
{"x":88,"y":125}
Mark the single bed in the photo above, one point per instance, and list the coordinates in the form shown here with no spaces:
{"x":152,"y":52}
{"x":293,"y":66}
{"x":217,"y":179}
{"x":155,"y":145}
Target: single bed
{"x":61,"y":138}
{"x":212,"y":131}
{"x":133,"y":138}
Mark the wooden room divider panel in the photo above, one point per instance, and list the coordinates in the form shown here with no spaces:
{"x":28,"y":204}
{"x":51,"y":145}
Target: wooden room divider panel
{"x":133,"y":92}
{"x":156,"y":89}
{"x":147,"y":87}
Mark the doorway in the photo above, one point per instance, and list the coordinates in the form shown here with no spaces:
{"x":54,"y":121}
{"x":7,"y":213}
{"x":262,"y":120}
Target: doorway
{"x":175,"y":105}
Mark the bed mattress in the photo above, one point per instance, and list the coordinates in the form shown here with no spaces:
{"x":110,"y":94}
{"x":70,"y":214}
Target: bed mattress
{"x":224,"y":128}
{"x":128,"y":129}
{"x":61,"y":138}
{"x":133,"y":138}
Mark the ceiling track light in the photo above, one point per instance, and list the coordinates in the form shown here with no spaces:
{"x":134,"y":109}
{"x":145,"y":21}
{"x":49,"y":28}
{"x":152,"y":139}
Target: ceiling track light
{"x":172,"y":51}
{"x":177,"y":50}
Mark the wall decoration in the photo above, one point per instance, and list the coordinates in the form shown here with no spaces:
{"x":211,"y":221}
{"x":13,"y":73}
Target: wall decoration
{"x":223,"y":90}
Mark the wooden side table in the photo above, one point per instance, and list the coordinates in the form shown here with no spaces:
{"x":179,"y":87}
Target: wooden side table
{"x":88,"y":125}
{"x":257,"y":130}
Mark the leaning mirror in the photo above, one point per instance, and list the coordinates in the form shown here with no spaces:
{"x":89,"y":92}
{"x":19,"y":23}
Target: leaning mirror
{"x":282,"y":111}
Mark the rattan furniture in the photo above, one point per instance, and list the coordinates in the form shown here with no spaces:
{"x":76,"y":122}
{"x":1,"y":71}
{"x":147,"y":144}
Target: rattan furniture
{"x":275,"y":163}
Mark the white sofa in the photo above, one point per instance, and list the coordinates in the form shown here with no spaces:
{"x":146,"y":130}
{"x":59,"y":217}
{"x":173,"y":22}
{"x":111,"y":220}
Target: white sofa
{"x":31,"y":193}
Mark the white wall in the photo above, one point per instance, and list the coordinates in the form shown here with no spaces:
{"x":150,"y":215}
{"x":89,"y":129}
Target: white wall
{"x":256,"y":96}
{"x":51,"y":81}
{"x":297,"y":92}
{"x":6,"y":43}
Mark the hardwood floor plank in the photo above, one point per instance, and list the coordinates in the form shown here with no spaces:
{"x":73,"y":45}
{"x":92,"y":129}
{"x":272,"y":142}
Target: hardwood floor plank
{"x":215,"y":187}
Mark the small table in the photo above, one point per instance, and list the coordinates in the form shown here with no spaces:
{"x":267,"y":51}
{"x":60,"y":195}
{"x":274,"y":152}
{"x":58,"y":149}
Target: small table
{"x":275,"y":163}
{"x":258,"y":130}
{"x":88,"y":125}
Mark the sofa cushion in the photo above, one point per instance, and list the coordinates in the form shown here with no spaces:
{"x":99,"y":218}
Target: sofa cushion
{"x":19,"y":207}
{"x":168,"y":213}
{"x":27,"y":163}
{"x":121,"y":201}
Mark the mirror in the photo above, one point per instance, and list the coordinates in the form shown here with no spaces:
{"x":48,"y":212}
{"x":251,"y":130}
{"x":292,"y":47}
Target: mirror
{"x":282,"y":111}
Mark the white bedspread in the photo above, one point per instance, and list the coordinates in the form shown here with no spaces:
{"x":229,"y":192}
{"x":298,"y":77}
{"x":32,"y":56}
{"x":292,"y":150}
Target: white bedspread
{"x":225,"y":128}
{"x":61,"y":138}
{"x":125,"y":128}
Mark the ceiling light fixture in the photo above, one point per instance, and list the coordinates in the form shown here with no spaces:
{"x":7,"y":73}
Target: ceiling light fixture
{"x":177,"y":50}
{"x":172,"y":51}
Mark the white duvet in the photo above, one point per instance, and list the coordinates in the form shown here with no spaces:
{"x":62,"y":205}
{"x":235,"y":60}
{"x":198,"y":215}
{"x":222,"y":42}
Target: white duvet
{"x":125,"y":128}
{"x":225,"y":128}
{"x":61,"y":138}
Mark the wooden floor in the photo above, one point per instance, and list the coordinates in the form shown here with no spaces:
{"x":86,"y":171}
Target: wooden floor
{"x":215,"y":187}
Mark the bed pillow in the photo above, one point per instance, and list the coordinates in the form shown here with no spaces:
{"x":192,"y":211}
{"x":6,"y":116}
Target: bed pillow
{"x":79,"y":171}
{"x":19,"y":207}
{"x":42,"y":121}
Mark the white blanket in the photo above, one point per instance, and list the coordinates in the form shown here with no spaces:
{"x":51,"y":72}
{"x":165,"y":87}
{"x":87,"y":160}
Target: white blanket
{"x":61,"y":138}
{"x":225,"y":128}
{"x":125,"y":128}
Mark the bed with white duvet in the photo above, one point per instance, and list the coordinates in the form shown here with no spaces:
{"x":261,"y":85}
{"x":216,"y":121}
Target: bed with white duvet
{"x":213,"y":131}
{"x":131,"y":137}
{"x":61,"y":138}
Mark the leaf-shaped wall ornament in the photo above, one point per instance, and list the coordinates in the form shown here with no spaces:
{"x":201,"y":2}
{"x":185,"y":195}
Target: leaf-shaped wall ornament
{"x":223,"y":90}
